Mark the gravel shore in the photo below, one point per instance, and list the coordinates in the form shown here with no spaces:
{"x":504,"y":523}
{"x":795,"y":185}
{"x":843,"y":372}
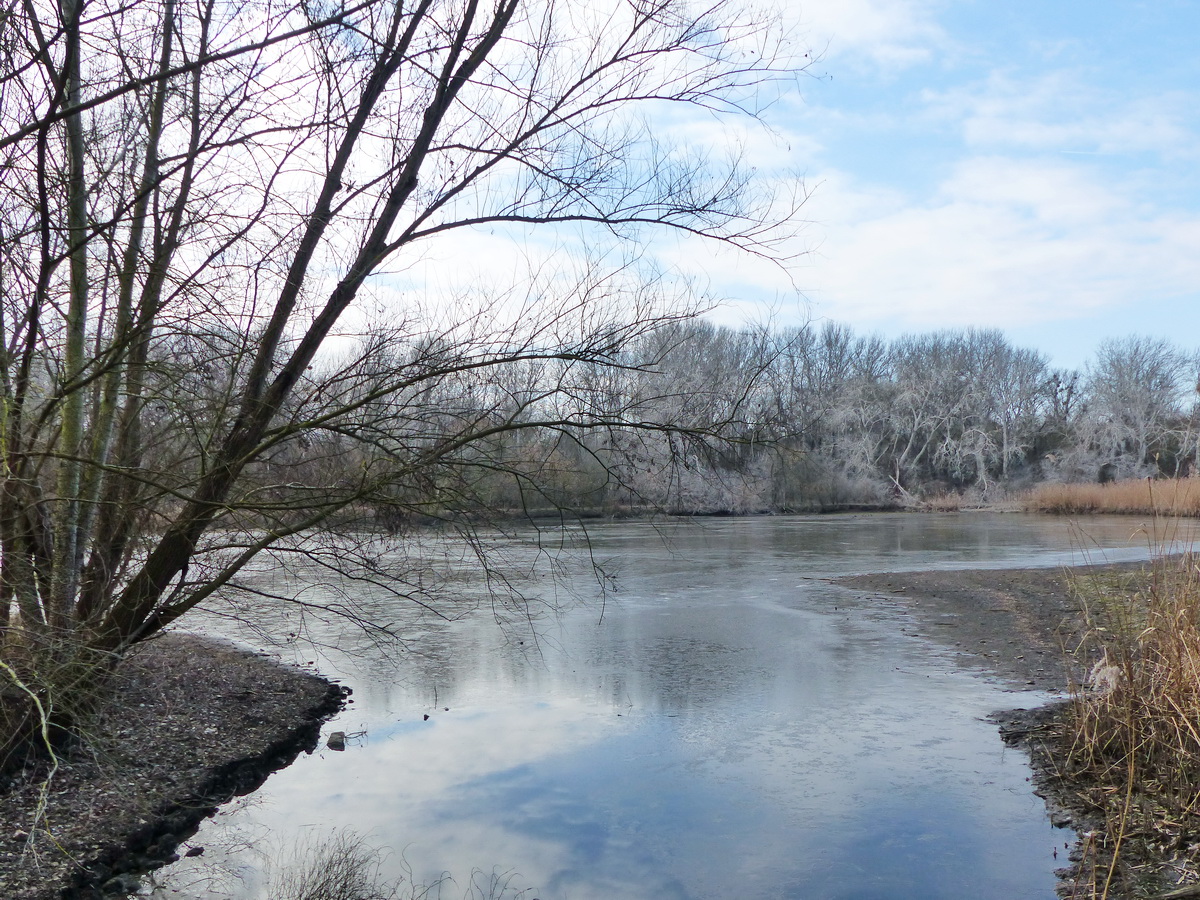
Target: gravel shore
{"x":193,"y":723}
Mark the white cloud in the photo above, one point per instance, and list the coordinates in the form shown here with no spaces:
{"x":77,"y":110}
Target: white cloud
{"x":754,"y":144}
{"x":1059,"y":111}
{"x":891,"y":34}
{"x":1002,"y":242}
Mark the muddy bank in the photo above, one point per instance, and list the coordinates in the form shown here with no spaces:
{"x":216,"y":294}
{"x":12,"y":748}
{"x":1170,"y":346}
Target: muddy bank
{"x":1020,"y":625}
{"x":194,"y":722}
{"x":1012,"y":623}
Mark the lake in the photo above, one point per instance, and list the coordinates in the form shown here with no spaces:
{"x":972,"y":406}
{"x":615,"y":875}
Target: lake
{"x":704,"y":716}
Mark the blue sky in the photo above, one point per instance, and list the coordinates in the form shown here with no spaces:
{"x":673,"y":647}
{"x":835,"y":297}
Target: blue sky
{"x":1031,"y":166}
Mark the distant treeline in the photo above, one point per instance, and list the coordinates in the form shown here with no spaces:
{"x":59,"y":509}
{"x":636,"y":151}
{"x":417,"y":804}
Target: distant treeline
{"x":819,"y":417}
{"x":688,"y":417}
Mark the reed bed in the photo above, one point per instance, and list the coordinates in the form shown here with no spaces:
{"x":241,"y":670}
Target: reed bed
{"x":1134,"y":722}
{"x":1141,"y":496}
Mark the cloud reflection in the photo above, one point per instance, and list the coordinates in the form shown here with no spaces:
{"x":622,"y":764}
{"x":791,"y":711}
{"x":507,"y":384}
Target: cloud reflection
{"x":733,"y":726}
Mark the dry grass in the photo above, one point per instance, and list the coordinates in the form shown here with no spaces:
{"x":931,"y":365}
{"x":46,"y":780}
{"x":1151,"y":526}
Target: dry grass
{"x":947,"y":502}
{"x":1136,"y":722}
{"x":342,"y":865}
{"x":1141,"y":496}
{"x":339,"y":867}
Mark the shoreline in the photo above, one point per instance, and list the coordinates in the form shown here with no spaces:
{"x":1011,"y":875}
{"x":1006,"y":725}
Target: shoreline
{"x":1018,"y":626}
{"x":1013,"y":624}
{"x":194,"y":722}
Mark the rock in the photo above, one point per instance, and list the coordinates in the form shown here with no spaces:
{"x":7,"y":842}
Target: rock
{"x":1060,"y":818}
{"x":337,"y":741}
{"x":122,"y":884}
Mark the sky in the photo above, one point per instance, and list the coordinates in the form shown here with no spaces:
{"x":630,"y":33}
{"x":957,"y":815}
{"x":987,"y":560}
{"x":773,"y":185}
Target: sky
{"x":1029,"y":166}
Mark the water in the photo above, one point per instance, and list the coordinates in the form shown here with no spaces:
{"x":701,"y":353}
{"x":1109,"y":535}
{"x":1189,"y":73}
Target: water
{"x":724,"y":722}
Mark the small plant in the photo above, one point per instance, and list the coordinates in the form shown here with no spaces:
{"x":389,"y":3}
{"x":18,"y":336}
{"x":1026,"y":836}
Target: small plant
{"x":342,"y":865}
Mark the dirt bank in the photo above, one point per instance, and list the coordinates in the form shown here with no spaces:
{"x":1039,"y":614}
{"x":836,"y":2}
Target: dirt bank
{"x":194,"y":722}
{"x":1018,"y":625}
{"x":1012,"y":623}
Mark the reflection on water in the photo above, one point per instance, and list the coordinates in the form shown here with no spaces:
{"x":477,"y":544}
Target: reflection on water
{"x":724,"y":723}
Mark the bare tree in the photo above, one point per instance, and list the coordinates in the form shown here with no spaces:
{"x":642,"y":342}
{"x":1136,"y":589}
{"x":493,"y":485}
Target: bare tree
{"x":199,"y":195}
{"x":1135,"y":396}
{"x":956,"y":408}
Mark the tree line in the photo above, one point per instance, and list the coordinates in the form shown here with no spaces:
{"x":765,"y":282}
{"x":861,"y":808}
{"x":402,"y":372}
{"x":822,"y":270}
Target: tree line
{"x":817,"y":417}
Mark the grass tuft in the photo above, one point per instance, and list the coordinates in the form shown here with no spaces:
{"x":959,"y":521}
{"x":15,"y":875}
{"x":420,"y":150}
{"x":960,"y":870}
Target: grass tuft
{"x":339,"y":867}
{"x":342,"y":865}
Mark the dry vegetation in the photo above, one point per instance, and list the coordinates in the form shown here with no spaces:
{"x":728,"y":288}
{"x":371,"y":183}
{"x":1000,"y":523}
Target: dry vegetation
{"x":1140,"y":496}
{"x":342,"y":865}
{"x":1134,"y":730}
{"x":51,"y":692}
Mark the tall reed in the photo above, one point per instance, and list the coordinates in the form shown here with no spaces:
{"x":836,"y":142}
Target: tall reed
{"x":1135,"y":721}
{"x":1142,"y":496}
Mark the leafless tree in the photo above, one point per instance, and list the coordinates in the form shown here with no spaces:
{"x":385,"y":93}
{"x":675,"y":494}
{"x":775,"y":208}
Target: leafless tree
{"x":200,"y":195}
{"x":1135,"y":419}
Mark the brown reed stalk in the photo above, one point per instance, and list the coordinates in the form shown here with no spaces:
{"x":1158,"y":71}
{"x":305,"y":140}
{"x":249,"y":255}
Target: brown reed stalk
{"x":1136,"y":719}
{"x":1136,"y":496}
